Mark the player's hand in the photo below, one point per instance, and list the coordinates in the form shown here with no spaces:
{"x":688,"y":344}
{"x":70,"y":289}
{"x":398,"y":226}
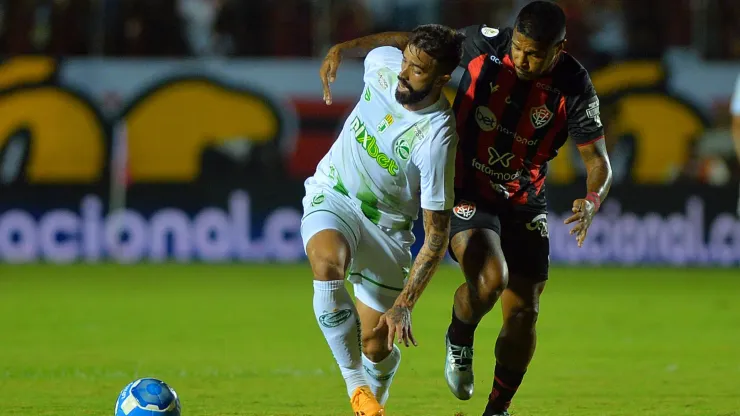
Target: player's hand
{"x":328,"y":71}
{"x":398,"y":321}
{"x":583,"y":213}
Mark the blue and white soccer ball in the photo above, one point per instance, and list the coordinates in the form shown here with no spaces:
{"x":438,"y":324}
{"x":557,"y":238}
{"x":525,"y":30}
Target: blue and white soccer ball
{"x":148,"y":397}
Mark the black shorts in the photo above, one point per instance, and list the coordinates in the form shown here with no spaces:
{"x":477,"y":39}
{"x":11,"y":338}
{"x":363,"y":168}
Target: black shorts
{"x":524,"y":237}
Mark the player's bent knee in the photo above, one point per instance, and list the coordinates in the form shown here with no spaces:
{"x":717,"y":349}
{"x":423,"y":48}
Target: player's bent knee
{"x":327,"y":269}
{"x":490,"y":282}
{"x":524,"y":316}
{"x":329,"y":255}
{"x":375,"y":346}
{"x":484,"y":266}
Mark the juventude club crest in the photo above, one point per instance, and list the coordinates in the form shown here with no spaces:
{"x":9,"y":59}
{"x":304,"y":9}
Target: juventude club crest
{"x":334,"y":318}
{"x":402,"y":149}
{"x":539,"y":116}
{"x":317,"y":200}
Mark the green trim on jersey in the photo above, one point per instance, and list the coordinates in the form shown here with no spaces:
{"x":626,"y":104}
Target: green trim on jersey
{"x":376,"y":283}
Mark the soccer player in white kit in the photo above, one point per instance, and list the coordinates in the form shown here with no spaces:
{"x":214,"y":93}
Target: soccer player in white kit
{"x":395,"y":153}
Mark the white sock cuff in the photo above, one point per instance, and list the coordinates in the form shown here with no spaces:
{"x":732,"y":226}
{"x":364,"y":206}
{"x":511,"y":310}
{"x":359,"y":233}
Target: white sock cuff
{"x":329,"y":286}
{"x":387,"y":364}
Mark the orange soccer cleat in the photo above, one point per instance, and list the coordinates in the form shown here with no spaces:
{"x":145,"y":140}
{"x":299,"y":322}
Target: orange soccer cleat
{"x":364,"y":403}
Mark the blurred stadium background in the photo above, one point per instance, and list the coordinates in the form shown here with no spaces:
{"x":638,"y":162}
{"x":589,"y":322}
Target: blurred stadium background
{"x":152,"y":154}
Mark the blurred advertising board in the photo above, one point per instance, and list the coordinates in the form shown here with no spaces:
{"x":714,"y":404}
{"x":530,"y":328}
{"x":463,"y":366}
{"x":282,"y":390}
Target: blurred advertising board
{"x":204,"y":160}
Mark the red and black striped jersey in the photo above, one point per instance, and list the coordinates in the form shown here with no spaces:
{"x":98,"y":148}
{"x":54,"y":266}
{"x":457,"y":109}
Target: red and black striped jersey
{"x":510,"y":128}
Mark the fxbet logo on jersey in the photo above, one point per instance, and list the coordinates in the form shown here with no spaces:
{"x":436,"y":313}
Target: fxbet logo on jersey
{"x":370,"y":144}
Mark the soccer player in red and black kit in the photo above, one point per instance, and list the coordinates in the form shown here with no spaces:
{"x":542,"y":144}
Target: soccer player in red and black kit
{"x":520,"y":98}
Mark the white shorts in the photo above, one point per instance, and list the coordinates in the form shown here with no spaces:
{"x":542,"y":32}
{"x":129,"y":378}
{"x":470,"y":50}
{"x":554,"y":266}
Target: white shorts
{"x":381,"y":257}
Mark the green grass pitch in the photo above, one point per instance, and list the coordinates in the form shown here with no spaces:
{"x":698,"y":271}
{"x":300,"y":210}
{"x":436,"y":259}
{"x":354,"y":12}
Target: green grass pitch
{"x":242,"y":340}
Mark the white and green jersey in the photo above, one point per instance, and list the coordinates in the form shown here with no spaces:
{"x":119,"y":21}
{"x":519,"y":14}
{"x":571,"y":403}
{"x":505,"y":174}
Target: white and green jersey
{"x":388,"y":159}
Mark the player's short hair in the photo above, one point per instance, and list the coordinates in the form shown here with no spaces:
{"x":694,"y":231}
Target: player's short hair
{"x":542,"y":21}
{"x":442,"y":43}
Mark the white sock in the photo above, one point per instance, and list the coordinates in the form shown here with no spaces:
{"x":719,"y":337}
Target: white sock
{"x":338,"y":320}
{"x":380,"y":375}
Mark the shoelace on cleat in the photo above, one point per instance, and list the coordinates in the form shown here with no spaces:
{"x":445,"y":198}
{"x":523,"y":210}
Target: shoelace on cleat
{"x":462,"y":356}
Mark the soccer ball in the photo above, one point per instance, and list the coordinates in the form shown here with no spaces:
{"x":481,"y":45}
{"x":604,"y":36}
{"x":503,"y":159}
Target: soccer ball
{"x":148,"y":397}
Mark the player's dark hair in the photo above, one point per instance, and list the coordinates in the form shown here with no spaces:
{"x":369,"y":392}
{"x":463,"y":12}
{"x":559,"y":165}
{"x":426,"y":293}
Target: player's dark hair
{"x":542,"y":21}
{"x":442,"y":43}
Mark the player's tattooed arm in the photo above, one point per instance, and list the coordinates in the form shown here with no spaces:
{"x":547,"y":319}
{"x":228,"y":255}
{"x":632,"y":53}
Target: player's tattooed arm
{"x":598,"y":183}
{"x":437,"y":235}
{"x":356,"y":48}
{"x":398,"y":318}
{"x":360,"y":47}
{"x":598,"y":168}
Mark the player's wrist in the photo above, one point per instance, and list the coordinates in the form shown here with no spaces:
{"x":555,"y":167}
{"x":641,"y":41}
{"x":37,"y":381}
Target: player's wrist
{"x":336,"y":50}
{"x":403,"y":303}
{"x":595,"y":199}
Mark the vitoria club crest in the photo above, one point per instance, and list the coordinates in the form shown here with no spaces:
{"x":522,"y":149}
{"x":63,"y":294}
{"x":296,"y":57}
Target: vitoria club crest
{"x":464,"y":210}
{"x":539,"y":116}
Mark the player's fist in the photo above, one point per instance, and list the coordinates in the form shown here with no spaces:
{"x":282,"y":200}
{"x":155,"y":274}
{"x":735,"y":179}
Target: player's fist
{"x":583,"y":214}
{"x":328,"y":71}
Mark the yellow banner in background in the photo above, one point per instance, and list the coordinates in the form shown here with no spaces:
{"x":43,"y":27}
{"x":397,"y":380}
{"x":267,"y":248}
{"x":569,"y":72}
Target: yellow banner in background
{"x":171,"y":122}
{"x":635,"y":104}
{"x":168,"y":126}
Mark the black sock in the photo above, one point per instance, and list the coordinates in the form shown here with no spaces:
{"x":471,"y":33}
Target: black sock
{"x":505,"y":384}
{"x":461,"y":333}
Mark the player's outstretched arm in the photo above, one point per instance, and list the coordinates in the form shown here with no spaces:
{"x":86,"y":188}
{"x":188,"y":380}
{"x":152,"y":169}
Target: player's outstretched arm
{"x":598,"y":183}
{"x":356,"y":48}
{"x":360,"y":47}
{"x":437,"y":235}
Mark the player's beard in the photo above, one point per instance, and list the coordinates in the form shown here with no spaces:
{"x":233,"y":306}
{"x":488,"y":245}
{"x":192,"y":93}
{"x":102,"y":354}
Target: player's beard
{"x":411,"y":96}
